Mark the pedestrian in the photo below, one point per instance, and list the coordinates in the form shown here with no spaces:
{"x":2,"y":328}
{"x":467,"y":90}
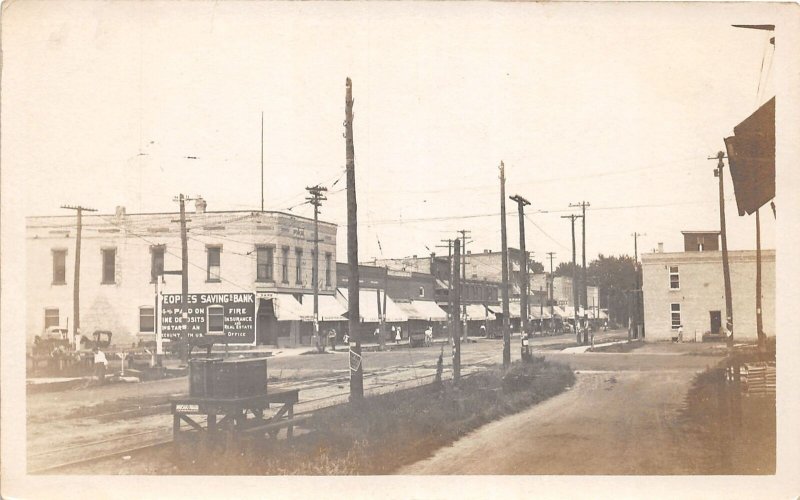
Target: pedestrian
{"x":346,"y":339}
{"x":332,"y":338}
{"x":680,"y":333}
{"x":483,"y":331}
{"x":398,"y":336}
{"x":429,"y":335}
{"x":100,"y":364}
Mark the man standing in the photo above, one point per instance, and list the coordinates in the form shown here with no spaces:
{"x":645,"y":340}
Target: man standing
{"x":100,"y":364}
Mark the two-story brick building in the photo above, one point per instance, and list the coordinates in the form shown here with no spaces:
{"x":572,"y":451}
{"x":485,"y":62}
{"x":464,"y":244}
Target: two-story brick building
{"x":687,"y":288}
{"x":266,"y":254}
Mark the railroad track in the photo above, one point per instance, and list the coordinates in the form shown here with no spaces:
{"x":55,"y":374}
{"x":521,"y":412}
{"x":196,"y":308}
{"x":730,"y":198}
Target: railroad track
{"x":55,"y":460}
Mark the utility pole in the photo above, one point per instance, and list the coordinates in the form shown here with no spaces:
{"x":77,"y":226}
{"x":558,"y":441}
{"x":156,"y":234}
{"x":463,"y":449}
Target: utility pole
{"x":504,"y":250}
{"x":456,"y":305}
{"x":316,"y":200}
{"x":725,"y":266}
{"x":584,"y":298}
{"x":572,"y":218}
{"x":638,"y":288}
{"x":353,"y":314}
{"x":184,"y":348}
{"x":262,"y":161}
{"x":762,"y":340}
{"x":449,"y":286}
{"x":523,"y":281}
{"x":76,"y":285}
{"x":550,"y":289}
{"x":464,"y":242}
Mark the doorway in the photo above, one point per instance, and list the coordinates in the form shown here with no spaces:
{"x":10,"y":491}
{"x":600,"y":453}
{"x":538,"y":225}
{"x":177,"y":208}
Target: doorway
{"x":266,"y":323}
{"x":716,"y":321}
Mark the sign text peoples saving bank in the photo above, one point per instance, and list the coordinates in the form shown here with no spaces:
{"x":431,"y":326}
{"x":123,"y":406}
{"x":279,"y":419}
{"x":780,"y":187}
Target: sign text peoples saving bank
{"x":229,"y":316}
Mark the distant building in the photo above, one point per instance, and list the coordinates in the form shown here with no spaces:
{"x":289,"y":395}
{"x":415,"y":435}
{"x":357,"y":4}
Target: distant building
{"x":687,"y":288}
{"x":266,"y":254}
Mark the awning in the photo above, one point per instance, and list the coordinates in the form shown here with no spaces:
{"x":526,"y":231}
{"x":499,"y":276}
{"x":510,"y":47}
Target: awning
{"x":329,"y":308}
{"x":559,"y":312}
{"x":478,"y":312}
{"x":368,"y":306}
{"x":286,"y":307}
{"x":513,"y":309}
{"x":442,"y":284}
{"x":538,"y":313}
{"x":424,"y":310}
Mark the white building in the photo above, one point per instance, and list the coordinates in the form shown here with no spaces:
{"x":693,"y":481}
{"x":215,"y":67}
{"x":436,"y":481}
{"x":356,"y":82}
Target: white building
{"x":687,"y":288}
{"x":268,"y":254}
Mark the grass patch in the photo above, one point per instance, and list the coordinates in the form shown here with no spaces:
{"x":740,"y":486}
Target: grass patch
{"x":621,"y":347}
{"x":383,"y":433}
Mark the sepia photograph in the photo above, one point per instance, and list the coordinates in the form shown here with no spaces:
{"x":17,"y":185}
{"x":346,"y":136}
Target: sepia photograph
{"x":343,"y":249}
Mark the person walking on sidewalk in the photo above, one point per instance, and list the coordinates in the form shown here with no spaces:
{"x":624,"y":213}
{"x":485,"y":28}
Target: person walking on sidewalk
{"x":398,"y":336}
{"x":100,"y":364}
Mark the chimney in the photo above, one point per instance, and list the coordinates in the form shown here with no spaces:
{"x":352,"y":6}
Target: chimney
{"x":120,"y":212}
{"x":660,"y":247}
{"x":414,"y":256}
{"x":200,"y":205}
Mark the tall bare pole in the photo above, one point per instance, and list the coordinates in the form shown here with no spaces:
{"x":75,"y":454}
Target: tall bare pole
{"x":725,"y":266}
{"x":354,"y":315}
{"x":316,"y":200}
{"x":464,"y":242}
{"x":456,"y":306}
{"x":637,"y":292}
{"x":550,"y":289}
{"x":762,"y":340}
{"x":449,"y":286}
{"x":584,"y":293}
{"x":184,"y":342}
{"x":262,"y":161}
{"x":76,"y":285}
{"x":523,"y":280}
{"x":504,"y":250}
{"x":574,"y":284}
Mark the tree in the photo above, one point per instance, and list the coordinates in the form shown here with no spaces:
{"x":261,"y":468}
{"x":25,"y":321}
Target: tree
{"x":616,"y":277}
{"x":535,"y":267}
{"x":565,"y":269}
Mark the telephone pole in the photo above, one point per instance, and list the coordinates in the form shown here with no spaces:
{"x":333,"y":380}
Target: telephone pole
{"x":572,"y":218}
{"x":725,"y":266}
{"x":504,"y":250}
{"x":76,"y":285}
{"x":353,"y":314}
{"x":449,"y":285}
{"x":262,"y":161}
{"x":316,"y":198}
{"x":584,"y":298}
{"x":637,"y":314}
{"x":184,"y":348}
{"x":456,"y":306}
{"x":464,"y":242}
{"x":523,"y":281}
{"x":550,"y":295}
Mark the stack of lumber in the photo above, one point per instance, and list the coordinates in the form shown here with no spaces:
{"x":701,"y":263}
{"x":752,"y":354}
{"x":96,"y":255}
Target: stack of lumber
{"x":758,"y":378}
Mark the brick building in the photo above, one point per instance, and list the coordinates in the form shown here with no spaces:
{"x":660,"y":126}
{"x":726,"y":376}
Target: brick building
{"x":687,"y":288}
{"x":267,"y":254}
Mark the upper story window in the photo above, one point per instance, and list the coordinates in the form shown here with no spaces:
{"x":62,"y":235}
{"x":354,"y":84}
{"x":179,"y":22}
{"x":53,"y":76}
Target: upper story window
{"x":328,"y":259}
{"x":213,"y":268}
{"x":109,"y":265}
{"x":298,"y":266}
{"x":156,"y":262}
{"x":674,"y":278}
{"x":59,"y":267}
{"x":264,"y":270}
{"x":285,"y":265}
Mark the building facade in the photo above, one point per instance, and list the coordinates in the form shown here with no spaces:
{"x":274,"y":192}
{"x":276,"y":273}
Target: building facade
{"x":687,"y":288}
{"x":267,"y":254}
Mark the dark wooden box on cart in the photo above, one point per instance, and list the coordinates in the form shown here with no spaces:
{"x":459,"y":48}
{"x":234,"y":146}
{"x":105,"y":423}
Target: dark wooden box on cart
{"x":235,"y":378}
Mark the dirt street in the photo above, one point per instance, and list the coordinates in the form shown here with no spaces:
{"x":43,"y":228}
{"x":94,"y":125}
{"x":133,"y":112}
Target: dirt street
{"x":622,"y":417}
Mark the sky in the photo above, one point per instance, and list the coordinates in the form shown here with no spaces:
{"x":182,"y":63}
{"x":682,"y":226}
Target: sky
{"x":132,"y":103}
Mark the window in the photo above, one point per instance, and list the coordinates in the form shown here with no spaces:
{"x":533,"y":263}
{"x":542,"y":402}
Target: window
{"x":328,"y":258}
{"x":421,"y":291}
{"x":156,"y":262}
{"x":109,"y":265}
{"x":264,"y":263}
{"x":146,"y":320}
{"x":285,"y":265}
{"x":298,"y":266}
{"x":674,"y":278}
{"x":213,"y":255}
{"x":216,"y":319}
{"x":675,"y":310}
{"x":59,"y":267}
{"x":51,"y":318}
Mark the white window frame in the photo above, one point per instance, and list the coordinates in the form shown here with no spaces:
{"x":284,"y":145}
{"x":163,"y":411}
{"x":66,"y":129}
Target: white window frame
{"x":208,"y":320}
{"x":58,"y":316}
{"x":677,"y":275}
{"x":422,"y":291}
{"x":212,"y":277}
{"x":673,"y":310}
{"x":152,"y":314}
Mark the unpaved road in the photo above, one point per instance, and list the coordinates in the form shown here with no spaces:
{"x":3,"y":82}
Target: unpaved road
{"x":621,"y":417}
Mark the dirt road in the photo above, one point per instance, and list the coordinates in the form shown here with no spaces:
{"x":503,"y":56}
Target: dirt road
{"x":621,"y":417}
